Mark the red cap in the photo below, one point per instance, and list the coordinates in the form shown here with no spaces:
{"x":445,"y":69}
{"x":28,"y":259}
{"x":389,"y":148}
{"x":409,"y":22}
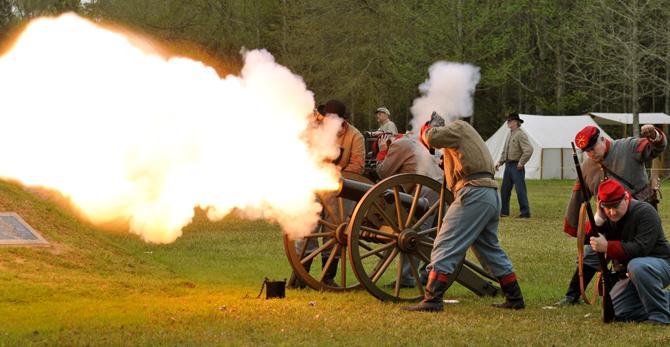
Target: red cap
{"x":610,"y":193}
{"x":587,"y":137}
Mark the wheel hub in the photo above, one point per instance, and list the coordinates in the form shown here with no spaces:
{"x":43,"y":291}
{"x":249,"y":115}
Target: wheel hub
{"x":341,"y":234}
{"x":408,"y":240}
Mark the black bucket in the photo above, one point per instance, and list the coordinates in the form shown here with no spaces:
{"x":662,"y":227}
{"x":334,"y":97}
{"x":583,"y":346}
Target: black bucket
{"x":273,"y":289}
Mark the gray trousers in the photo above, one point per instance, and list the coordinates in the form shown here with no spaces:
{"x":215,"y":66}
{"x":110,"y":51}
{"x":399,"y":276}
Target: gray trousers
{"x":642,"y":296}
{"x":471,"y":220}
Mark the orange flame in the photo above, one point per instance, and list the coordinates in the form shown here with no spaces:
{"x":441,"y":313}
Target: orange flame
{"x":130,"y":135}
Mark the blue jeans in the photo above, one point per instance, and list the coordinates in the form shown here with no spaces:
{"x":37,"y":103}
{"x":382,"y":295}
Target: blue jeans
{"x":642,"y":296}
{"x":471,"y":220}
{"x":514,"y":177}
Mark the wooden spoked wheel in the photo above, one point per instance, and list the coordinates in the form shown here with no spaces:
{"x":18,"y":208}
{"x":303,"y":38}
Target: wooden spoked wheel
{"x":391,"y":235}
{"x":326,"y":247}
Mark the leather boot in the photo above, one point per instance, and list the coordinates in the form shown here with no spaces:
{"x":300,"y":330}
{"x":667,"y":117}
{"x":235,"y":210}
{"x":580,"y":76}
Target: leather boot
{"x":512,"y":291}
{"x":573,"y":293}
{"x":329,"y":278}
{"x":432,"y":299}
{"x":294,"y":281}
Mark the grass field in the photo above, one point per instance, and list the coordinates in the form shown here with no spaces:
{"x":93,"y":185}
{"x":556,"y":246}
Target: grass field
{"x":99,"y":288}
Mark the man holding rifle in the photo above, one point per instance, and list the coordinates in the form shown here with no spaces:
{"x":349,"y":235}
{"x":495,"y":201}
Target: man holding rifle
{"x":623,"y":160}
{"x":630,"y":234}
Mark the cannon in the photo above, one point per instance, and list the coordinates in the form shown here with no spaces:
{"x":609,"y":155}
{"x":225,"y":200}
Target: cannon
{"x":388,"y":236}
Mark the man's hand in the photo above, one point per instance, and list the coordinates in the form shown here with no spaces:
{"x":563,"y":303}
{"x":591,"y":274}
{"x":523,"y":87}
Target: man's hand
{"x":649,"y":131}
{"x":519,"y":167}
{"x":497,"y":166}
{"x":382,"y":143}
{"x":598,"y":243}
{"x":600,"y":216}
{"x":422,"y":136}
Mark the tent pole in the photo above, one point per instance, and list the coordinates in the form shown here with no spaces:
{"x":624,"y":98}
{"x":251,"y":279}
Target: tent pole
{"x":664,"y":155}
{"x":541,"y":162}
{"x":561,"y":163}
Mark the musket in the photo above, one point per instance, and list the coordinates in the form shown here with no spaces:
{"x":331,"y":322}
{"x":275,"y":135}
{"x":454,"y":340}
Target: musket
{"x":606,"y":283}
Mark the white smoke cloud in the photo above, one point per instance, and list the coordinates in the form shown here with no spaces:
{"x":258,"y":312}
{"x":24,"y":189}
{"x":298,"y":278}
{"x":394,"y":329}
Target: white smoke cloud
{"x":448,"y":91}
{"x":132,"y":136}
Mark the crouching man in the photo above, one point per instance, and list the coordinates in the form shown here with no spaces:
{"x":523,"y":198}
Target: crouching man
{"x":471,"y":220}
{"x":635,"y":242}
{"x":399,"y":155}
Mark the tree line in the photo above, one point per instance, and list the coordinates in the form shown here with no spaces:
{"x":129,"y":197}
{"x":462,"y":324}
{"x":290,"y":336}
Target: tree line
{"x":536,"y":56}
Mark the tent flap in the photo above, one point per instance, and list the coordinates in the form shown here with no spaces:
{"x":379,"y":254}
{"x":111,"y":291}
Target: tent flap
{"x":627,"y":118}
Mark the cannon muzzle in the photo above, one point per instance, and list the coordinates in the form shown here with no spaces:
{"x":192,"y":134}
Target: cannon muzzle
{"x":355,"y":190}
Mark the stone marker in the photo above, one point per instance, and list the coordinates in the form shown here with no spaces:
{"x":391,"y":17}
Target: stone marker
{"x":14,"y":231}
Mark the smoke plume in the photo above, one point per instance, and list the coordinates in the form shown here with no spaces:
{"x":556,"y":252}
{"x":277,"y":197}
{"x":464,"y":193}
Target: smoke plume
{"x":448,"y":91}
{"x":130,"y":135}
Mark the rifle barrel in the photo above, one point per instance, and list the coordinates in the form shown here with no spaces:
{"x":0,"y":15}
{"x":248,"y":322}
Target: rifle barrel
{"x":607,"y":308}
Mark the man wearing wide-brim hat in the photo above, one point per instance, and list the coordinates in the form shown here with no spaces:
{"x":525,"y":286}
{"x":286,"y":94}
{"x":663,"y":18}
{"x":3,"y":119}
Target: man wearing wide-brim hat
{"x":351,"y":159}
{"x":515,"y":155}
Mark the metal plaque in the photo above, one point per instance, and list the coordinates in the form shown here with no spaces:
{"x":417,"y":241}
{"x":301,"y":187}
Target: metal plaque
{"x":15,"y":231}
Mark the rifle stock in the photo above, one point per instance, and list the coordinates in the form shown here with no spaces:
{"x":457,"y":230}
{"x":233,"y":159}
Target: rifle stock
{"x":606,"y":283}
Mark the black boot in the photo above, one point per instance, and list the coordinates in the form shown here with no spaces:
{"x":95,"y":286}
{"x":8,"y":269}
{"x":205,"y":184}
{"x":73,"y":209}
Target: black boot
{"x":512,"y":292}
{"x":329,"y":278}
{"x":573,"y":293}
{"x":294,"y":281}
{"x":432,"y":299}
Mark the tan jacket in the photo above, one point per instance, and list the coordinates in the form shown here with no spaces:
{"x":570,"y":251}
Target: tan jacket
{"x":389,"y":127}
{"x":517,"y":148}
{"x":352,"y":146}
{"x":465,"y":153}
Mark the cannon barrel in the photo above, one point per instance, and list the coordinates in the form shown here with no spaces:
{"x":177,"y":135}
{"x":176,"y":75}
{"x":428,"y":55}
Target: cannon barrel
{"x":355,"y":190}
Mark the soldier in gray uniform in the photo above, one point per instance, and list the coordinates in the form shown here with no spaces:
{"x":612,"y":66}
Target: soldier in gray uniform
{"x":471,"y":220}
{"x":622,"y":160}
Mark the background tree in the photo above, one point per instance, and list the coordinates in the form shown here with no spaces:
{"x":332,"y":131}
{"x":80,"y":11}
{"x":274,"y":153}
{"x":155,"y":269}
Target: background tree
{"x":615,"y":54}
{"x":536,"y":56}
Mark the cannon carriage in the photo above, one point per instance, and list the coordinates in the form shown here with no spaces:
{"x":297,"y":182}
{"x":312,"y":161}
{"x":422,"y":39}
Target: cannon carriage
{"x":378,"y":235}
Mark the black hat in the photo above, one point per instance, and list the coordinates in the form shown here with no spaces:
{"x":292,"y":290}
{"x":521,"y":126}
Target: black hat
{"x":335,"y":106}
{"x":514,"y":116}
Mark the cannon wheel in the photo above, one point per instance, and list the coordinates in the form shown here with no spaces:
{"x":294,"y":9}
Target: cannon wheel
{"x":329,"y":235}
{"x":382,"y":237}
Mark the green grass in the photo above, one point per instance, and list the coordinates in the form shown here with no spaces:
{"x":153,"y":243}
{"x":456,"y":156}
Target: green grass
{"x":100,"y":288}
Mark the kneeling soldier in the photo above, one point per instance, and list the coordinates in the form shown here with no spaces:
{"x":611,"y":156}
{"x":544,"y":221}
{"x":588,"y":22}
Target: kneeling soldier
{"x":636,"y":242}
{"x":622,"y":160}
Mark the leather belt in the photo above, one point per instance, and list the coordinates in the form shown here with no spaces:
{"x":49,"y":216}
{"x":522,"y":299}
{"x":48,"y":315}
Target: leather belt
{"x":478,"y":175}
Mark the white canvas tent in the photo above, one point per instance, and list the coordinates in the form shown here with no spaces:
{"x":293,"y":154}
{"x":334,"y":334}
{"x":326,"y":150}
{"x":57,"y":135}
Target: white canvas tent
{"x":627,"y":118}
{"x":550,"y":137}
